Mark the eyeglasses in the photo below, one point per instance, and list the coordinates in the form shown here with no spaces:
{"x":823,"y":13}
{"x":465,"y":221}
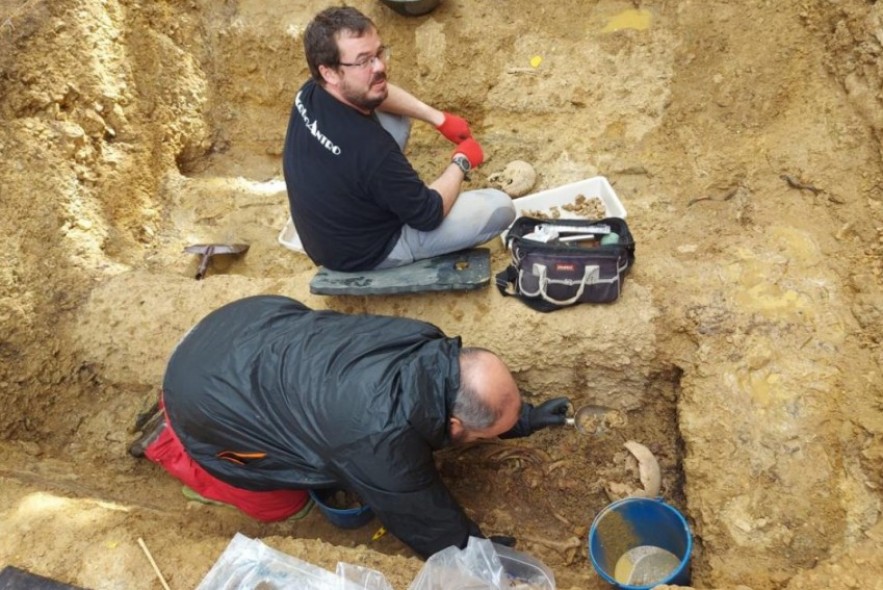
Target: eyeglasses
{"x":382,"y":55}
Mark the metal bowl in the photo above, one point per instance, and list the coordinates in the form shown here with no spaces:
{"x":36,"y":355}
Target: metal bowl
{"x":596,"y":419}
{"x":412,"y":7}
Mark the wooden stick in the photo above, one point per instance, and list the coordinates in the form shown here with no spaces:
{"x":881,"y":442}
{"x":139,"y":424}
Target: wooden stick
{"x":153,"y":563}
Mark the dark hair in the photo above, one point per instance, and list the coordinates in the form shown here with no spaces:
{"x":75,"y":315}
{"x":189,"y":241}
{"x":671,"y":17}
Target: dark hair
{"x":320,"y":38}
{"x":469,"y":405}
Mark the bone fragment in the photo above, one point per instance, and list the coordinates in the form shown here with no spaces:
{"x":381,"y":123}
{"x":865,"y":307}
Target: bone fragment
{"x":568,"y":549}
{"x":648,"y":469}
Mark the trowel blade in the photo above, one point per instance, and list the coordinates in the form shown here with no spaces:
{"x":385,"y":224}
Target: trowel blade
{"x":217,"y":248}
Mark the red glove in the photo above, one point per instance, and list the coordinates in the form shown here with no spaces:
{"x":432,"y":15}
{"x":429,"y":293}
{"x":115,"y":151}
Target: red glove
{"x":454,"y":128}
{"x":471,"y":150}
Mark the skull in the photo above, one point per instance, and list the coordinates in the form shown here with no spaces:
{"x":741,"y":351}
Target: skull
{"x":516,"y":179}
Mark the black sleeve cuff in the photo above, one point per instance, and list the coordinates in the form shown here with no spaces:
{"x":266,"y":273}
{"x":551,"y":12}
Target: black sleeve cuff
{"x":522,"y":427}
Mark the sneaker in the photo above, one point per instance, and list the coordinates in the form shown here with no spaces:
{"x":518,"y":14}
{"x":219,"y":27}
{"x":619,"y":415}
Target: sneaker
{"x":303,"y":511}
{"x":144,"y":417}
{"x":195,"y":496}
{"x":151,"y":430}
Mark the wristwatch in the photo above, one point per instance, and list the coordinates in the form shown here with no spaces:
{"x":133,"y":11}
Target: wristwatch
{"x":463,"y":164}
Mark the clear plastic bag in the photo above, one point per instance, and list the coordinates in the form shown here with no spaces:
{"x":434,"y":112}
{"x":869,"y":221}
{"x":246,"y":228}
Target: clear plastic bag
{"x":248,"y":564}
{"x":356,"y":577}
{"x":483,"y":565}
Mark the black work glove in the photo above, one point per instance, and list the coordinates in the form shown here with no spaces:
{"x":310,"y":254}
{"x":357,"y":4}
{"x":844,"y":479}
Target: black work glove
{"x":533,"y":418}
{"x":549,"y":413}
{"x":502,"y":540}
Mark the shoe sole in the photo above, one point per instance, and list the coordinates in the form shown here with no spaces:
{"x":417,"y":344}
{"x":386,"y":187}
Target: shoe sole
{"x":153,"y":427}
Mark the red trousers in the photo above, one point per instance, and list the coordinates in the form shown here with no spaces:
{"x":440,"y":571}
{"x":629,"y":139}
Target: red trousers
{"x":168,"y":452}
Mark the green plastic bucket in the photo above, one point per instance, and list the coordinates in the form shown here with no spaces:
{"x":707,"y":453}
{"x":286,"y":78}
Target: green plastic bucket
{"x":634,"y":523}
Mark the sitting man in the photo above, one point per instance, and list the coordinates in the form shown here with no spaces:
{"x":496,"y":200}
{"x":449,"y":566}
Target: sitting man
{"x":265,"y":398}
{"x":356,"y":202}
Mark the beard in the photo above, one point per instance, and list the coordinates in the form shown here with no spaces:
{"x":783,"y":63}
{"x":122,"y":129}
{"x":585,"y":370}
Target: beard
{"x":364,"y":99}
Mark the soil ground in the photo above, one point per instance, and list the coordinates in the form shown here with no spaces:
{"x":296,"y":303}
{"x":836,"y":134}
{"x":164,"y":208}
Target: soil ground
{"x":744,"y":140}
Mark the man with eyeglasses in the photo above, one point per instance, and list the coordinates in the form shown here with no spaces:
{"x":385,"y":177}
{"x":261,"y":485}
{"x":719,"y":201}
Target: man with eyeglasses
{"x":356,"y":201}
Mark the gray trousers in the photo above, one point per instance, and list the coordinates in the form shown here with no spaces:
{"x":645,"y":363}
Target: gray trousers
{"x":476,"y":217}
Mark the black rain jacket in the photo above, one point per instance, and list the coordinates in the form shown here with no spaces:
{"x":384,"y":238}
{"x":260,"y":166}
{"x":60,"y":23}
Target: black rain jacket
{"x":267,"y":394}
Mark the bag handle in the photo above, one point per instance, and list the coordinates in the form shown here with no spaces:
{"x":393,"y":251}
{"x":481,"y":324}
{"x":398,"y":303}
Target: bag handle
{"x":508,"y":278}
{"x":543,"y":281}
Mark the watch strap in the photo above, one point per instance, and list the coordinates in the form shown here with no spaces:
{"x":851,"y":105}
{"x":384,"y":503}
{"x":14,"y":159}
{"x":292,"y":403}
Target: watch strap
{"x":463,"y":164}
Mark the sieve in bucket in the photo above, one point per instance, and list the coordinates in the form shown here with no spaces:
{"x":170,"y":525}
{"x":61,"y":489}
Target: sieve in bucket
{"x":641,"y":534}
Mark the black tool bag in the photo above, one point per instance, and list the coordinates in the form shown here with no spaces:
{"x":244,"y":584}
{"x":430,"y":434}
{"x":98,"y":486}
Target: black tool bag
{"x":572,"y":267}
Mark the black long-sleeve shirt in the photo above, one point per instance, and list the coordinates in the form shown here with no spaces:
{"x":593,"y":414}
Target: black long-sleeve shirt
{"x":350,"y":187}
{"x":356,"y":401}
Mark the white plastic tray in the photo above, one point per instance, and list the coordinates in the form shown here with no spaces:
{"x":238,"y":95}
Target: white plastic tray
{"x":288,"y":237}
{"x":544,"y":201}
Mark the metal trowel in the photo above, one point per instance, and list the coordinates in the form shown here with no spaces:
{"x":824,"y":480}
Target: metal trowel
{"x":209,"y":250}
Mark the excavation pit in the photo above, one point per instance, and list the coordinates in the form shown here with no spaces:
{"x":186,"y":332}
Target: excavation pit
{"x":744,"y":350}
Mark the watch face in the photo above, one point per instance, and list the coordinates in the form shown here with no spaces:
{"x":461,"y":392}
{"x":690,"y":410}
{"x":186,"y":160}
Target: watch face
{"x":463,"y":162}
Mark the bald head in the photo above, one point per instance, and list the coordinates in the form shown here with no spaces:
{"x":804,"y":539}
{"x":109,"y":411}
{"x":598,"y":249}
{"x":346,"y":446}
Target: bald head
{"x":488,"y":401}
